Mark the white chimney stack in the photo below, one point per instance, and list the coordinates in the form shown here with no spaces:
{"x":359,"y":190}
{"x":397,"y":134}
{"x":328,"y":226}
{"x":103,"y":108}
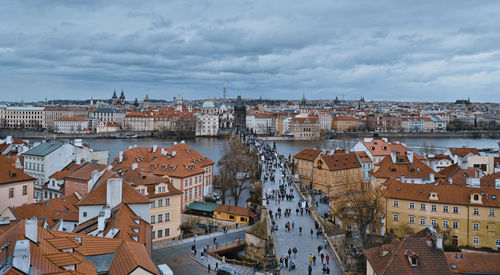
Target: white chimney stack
{"x":31,"y":230}
{"x":393,"y":157}
{"x":173,"y":153}
{"x":120,"y":157}
{"x":101,"y":222}
{"x":22,"y":255}
{"x":410,"y":156}
{"x":114,"y":192}
{"x":9,"y":140}
{"x":175,"y":142}
{"x":431,"y":176}
{"x":95,"y":177}
{"x":182,"y":141}
{"x":154,"y":148}
{"x":134,"y":166}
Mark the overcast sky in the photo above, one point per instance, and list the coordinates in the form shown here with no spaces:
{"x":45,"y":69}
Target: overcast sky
{"x":398,"y":50}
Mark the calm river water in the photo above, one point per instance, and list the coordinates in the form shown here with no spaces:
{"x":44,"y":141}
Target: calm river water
{"x":213,"y":147}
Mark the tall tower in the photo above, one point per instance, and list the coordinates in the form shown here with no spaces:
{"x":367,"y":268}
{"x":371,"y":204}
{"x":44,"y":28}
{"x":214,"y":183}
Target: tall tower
{"x":240,"y":114}
{"x":224,"y":92}
{"x":146,"y":101}
{"x":122,"y":99}
{"x":114,"y":98}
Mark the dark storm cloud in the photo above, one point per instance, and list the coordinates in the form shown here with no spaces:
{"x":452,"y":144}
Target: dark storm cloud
{"x":377,"y":49}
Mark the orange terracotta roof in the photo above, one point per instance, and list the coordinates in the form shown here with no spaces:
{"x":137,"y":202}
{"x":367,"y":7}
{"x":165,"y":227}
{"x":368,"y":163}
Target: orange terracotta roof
{"x":430,"y":259}
{"x":462,"y":152}
{"x":309,"y":119}
{"x":84,"y":172}
{"x":489,"y":181}
{"x":98,"y":195}
{"x":129,"y":257}
{"x":363,"y":156}
{"x":473,"y":262}
{"x":388,"y":169}
{"x":52,"y":210}
{"x":59,"y":175}
{"x":307,"y":154}
{"x":236,"y":210}
{"x":447,"y":193}
{"x":10,"y":174}
{"x":344,"y":118}
{"x":377,"y":147}
{"x":341,"y":161}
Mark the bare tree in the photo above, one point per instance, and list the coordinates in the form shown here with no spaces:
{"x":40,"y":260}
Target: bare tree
{"x":238,"y":165}
{"x":362,"y":204}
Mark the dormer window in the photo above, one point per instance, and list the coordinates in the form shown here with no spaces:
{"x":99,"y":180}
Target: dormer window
{"x":414,"y":261}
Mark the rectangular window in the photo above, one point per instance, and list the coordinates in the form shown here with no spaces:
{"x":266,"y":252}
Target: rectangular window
{"x":167,"y":202}
{"x":83,"y":186}
{"x":25,"y":192}
{"x":422,"y":206}
{"x":76,"y":186}
{"x":476,"y":211}
{"x":497,"y":242}
{"x":160,"y":234}
{"x":445,"y":208}
{"x":153,"y":204}
{"x":434,"y":222}
{"x":167,"y":232}
{"x":422,"y":221}
{"x":11,"y":192}
{"x":445,"y":224}
{"x":153,"y":218}
{"x":395,"y":203}
{"x":160,"y":218}
{"x":412,"y":220}
{"x":160,"y":203}
{"x":475,"y":226}
{"x":475,"y":240}
{"x":395,"y":217}
{"x":152,"y":235}
{"x":492,"y":212}
{"x":412,"y":205}
{"x":433,"y":208}
{"x":167,"y":217}
{"x":454,"y":224}
{"x":455,"y":209}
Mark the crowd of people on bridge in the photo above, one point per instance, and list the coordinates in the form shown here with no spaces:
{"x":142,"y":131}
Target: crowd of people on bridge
{"x":272,"y":164}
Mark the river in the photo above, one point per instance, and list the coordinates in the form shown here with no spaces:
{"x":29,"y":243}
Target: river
{"x":213,"y":147}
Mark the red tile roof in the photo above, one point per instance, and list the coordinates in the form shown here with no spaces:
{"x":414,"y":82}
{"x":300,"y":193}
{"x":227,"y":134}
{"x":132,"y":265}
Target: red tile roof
{"x":393,"y":258}
{"x":307,"y":154}
{"x":473,"y":262}
{"x":98,"y":195}
{"x":10,"y":174}
{"x":462,"y":152}
{"x":341,"y":161}
{"x":236,"y":210}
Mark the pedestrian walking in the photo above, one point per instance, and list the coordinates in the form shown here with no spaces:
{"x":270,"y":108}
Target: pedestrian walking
{"x":327,"y":258}
{"x":310,"y":258}
{"x":309,"y":269}
{"x":319,"y":248}
{"x":314,"y":260}
{"x":216,"y":266}
{"x":286,"y":261}
{"x":281,"y":261}
{"x":215,"y":239}
{"x":295,"y":252}
{"x":322,"y":257}
{"x":300,"y":231}
{"x":312,"y":232}
{"x":208,"y":268}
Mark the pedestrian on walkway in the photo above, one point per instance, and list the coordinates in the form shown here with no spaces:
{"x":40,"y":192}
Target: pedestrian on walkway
{"x":319,"y":248}
{"x":216,"y":266}
{"x":293,"y":225}
{"x":314,"y":260}
{"x":195,"y":236}
{"x":322,"y":257}
{"x":309,"y":269}
{"x":215,"y":239}
{"x":281,"y":261}
{"x":208,"y":268}
{"x":327,"y":259}
{"x":289,"y":252}
{"x":310,"y":259}
{"x":312,"y":232}
{"x":300,"y":231}
{"x":295,"y":252}
{"x":286,"y":261}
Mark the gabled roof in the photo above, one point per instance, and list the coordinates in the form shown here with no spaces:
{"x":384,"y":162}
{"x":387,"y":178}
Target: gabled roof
{"x":307,"y":154}
{"x":341,"y":161}
{"x":473,"y":262}
{"x":52,"y":210}
{"x":11,"y":174}
{"x":84,"y":172}
{"x":462,"y":152}
{"x":393,"y":258}
{"x":416,"y":169}
{"x":98,"y":195}
{"x":59,"y":175}
{"x":44,"y":148}
{"x":363,"y":156}
{"x":236,"y":210}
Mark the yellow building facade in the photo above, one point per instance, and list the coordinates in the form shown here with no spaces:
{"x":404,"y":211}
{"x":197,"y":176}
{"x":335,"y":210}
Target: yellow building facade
{"x":466,"y":216}
{"x":240,"y":215}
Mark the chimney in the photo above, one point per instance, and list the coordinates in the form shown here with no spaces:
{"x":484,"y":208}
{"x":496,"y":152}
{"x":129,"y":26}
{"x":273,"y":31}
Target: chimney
{"x":95,"y":176}
{"x":134,"y":166}
{"x":433,"y":165}
{"x":120,"y":157}
{"x":175,"y":142}
{"x":402,"y":178}
{"x":21,"y":260}
{"x":431,"y":177}
{"x":173,"y":153}
{"x":182,"y":141}
{"x":450,"y":180}
{"x":78,"y":160}
{"x":114,"y":192}
{"x":8,"y":140}
{"x":410,"y":156}
{"x":393,"y":157}
{"x":455,"y":159}
{"x":154,"y":148}
{"x":101,"y":223}
{"x":107,"y":211}
{"x":31,"y":229}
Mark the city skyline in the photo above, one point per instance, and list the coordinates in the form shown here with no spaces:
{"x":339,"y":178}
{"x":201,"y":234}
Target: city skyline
{"x":423,"y":51}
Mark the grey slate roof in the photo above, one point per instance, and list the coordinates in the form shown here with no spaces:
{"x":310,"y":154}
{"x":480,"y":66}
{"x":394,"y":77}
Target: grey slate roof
{"x":108,"y":110}
{"x":44,"y":149}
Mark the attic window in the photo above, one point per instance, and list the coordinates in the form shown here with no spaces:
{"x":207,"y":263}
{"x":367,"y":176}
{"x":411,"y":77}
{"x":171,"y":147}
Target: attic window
{"x":414,"y":261}
{"x":476,"y":197}
{"x":137,"y":221}
{"x":453,"y":266}
{"x":136,"y":230}
{"x":64,"y":200}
